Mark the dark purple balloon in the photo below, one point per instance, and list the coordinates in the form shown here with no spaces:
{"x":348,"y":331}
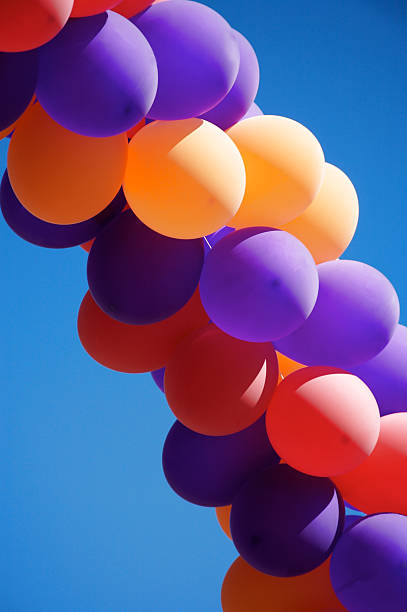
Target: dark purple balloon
{"x":98,"y":77}
{"x":158,"y":378}
{"x":355,"y":316}
{"x":212,"y":239}
{"x":259,"y":284}
{"x":386,"y":374}
{"x":254,"y":111}
{"x":369,"y":565}
{"x":197,"y":57}
{"x":209,"y":470}
{"x":138,"y":276}
{"x":50,"y":235}
{"x":286,"y":523}
{"x":18,"y":77}
{"x":239,"y":99}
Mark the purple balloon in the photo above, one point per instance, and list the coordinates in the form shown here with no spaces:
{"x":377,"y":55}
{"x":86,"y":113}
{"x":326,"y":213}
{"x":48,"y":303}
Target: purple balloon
{"x":209,"y":470}
{"x":386,"y":374}
{"x":254,"y":111}
{"x":138,"y":276}
{"x":286,"y":523}
{"x":158,"y":378}
{"x":98,"y":77}
{"x":239,"y":99}
{"x":259,"y":284}
{"x":369,"y":565}
{"x":212,"y":239}
{"x":18,"y":77}
{"x":355,"y":316}
{"x":50,"y":235}
{"x":197,"y":57}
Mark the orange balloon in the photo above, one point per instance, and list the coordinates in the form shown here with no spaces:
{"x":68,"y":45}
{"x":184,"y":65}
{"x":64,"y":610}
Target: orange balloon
{"x":323,"y":421}
{"x":129,"y":8}
{"x":27,"y":24}
{"x":62,"y":177}
{"x":136,"y":128}
{"x":184,"y":179}
{"x":223,"y":516}
{"x":327,"y":226}
{"x":135,"y":348}
{"x":287,"y":365}
{"x":83,"y":8}
{"x":245,"y":589}
{"x":379,"y":483}
{"x":284,"y":169}
{"x":6,"y":131}
{"x":218,"y":385}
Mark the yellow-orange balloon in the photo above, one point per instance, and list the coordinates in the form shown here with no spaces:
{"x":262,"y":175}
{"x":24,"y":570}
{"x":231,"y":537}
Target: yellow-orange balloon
{"x":327,"y":226}
{"x":284,"y":169}
{"x":62,"y":177}
{"x":184,"y":179}
{"x":287,"y":365}
{"x":223,"y":516}
{"x":248,"y":590}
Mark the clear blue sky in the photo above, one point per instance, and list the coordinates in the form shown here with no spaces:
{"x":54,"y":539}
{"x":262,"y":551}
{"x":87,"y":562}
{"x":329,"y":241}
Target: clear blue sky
{"x":87,"y":521}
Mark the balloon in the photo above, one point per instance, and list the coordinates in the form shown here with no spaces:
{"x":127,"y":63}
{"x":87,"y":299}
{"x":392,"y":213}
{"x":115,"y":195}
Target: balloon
{"x":254,"y":111}
{"x":223,"y":516}
{"x":62,"y":177}
{"x":327,"y":226}
{"x":259,"y":284}
{"x":369,"y":565}
{"x":136,"y":348}
{"x":201,"y":177}
{"x":240,"y":98}
{"x":129,"y":8}
{"x":284,"y":167}
{"x":197,"y":56}
{"x":323,"y":421}
{"x":285,"y":523}
{"x":286,"y":365}
{"x":83,"y":8}
{"x":86,"y":82}
{"x":158,"y":378}
{"x":355,"y":316}
{"x":212,"y":239}
{"x":136,"y":128}
{"x":386,"y":374}
{"x":245,"y":589}
{"x":379,"y":483}
{"x":8,"y":132}
{"x":44,"y":234}
{"x":217,"y":385}
{"x":86,"y":246}
{"x":18,"y":77}
{"x":138,"y":276}
{"x":209,"y":470}
{"x":27,"y":24}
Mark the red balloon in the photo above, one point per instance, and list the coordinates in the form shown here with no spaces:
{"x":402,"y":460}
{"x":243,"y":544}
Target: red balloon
{"x":218,"y":385}
{"x":83,"y":8}
{"x":129,"y":8}
{"x":135,"y":348}
{"x":27,"y":24}
{"x":379,"y":483}
{"x":323,"y":421}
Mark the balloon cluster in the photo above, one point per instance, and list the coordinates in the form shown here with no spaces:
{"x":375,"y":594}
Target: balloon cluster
{"x":215,"y":234}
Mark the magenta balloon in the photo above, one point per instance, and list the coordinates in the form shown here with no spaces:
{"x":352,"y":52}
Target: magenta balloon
{"x":240,"y":98}
{"x":98,"y":77}
{"x":254,"y":111}
{"x":197,"y":57}
{"x":354,"y":318}
{"x":386,"y":374}
{"x":286,"y":523}
{"x":209,"y":470}
{"x":369,"y":565}
{"x":259,"y":284}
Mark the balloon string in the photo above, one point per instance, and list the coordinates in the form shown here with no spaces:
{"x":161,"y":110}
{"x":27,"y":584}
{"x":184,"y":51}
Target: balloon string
{"x":207,"y":242}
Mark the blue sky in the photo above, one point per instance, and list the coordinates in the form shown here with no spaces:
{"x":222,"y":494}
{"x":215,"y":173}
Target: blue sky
{"x":88,"y":523}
